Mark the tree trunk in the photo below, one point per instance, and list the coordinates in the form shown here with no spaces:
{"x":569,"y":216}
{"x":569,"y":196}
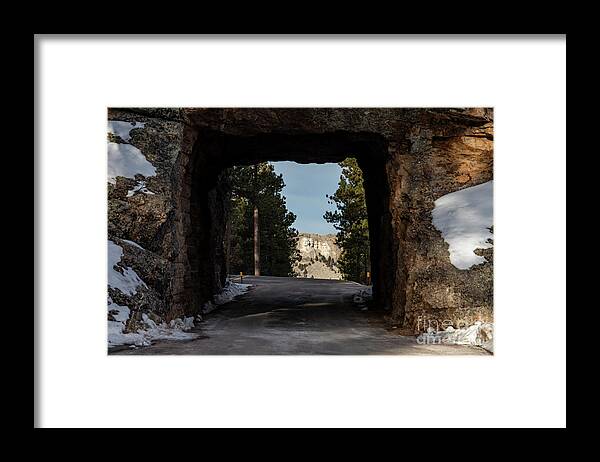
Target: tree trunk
{"x":256,"y":243}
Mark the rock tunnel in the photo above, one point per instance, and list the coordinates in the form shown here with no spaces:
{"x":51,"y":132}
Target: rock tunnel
{"x":409,"y":158}
{"x":204,"y":198}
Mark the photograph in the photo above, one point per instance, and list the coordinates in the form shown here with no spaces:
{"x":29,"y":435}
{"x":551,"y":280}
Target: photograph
{"x":300,"y":231}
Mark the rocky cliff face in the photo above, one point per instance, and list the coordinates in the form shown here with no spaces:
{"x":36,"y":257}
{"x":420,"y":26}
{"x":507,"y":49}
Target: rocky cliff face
{"x":319,"y":255}
{"x":170,"y":200}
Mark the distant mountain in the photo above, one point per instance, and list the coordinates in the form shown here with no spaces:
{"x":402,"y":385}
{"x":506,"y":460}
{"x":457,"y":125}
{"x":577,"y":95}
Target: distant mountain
{"x":319,"y":254}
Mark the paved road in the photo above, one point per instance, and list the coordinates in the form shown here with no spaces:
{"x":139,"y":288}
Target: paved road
{"x":297,"y":316}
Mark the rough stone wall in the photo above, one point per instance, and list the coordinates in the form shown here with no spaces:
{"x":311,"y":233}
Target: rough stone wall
{"x":430,"y":162}
{"x":421,"y":155}
{"x":148,"y":219}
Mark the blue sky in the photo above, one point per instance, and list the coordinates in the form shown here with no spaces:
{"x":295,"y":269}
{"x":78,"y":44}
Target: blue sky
{"x":305,"y":189}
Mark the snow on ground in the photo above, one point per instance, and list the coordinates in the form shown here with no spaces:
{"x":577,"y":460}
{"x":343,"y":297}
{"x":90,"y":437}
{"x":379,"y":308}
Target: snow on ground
{"x":127,"y":161}
{"x":464,"y":218}
{"x":229,"y":292}
{"x":128,"y":282}
{"x":480,"y":334}
{"x":175,"y":330}
{"x":123,"y":129}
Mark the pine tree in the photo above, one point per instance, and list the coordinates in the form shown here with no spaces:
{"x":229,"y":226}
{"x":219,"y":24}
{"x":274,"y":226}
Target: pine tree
{"x":351,"y":221}
{"x":256,"y":193}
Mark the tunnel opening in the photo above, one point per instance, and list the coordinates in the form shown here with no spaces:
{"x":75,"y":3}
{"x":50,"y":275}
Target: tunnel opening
{"x":203,"y":187}
{"x":288,"y":219}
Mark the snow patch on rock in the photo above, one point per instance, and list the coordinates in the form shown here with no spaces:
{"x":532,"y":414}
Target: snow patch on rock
{"x":127,"y":161}
{"x":135,"y":244}
{"x":118,"y":312}
{"x":126,"y":280}
{"x":122,"y":129}
{"x":464,"y":218}
{"x":140,"y":187}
